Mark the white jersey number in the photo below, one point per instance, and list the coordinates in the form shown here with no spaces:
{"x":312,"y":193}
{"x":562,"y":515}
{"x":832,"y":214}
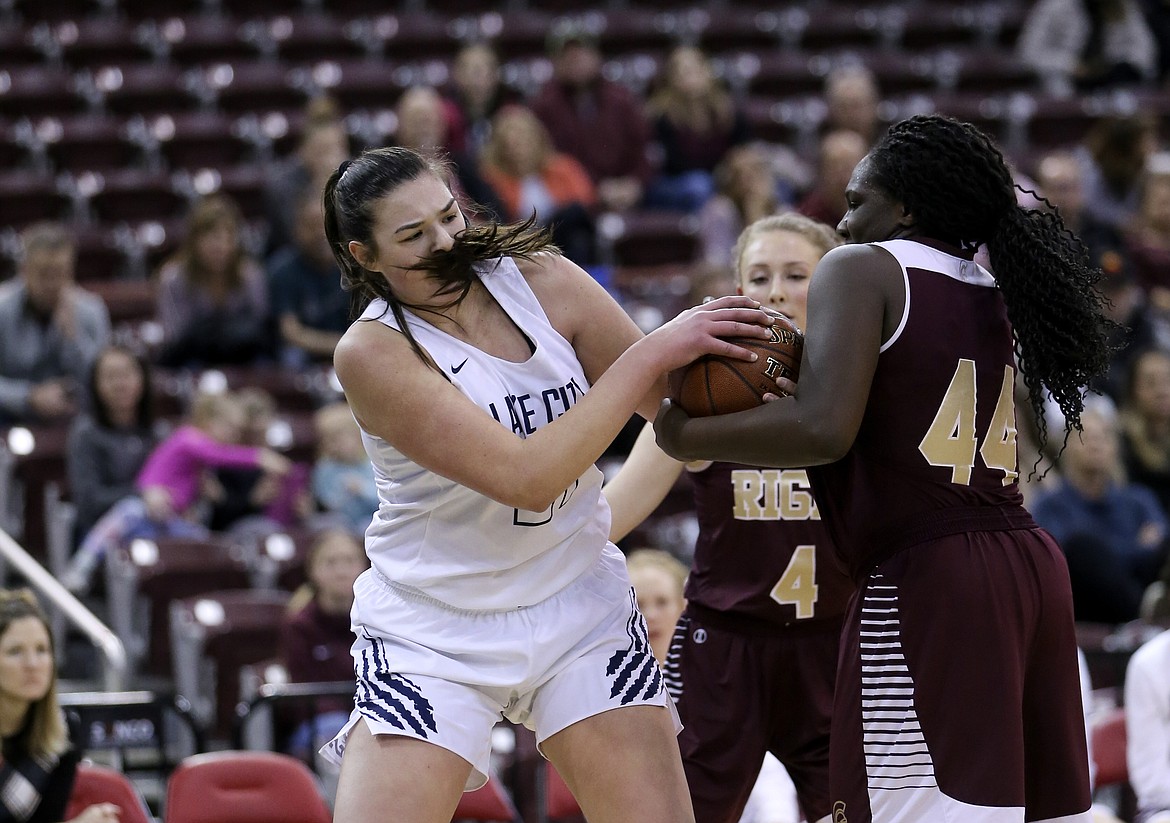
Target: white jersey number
{"x":951,"y":440}
{"x":798,"y":585}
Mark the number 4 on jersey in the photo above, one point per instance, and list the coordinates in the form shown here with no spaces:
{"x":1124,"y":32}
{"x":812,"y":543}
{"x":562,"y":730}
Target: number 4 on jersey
{"x":798,"y":585}
{"x":951,"y":440}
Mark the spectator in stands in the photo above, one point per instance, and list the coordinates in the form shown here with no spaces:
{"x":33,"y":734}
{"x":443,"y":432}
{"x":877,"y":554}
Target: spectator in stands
{"x":749,"y":187}
{"x":315,"y":637}
{"x":343,"y":477}
{"x":840,"y":152}
{"x":36,"y":780}
{"x":109,"y":443}
{"x":50,"y":330}
{"x":1060,"y":178}
{"x":212,"y":295}
{"x":530,"y":177}
{"x":696,"y":122}
{"x":1138,"y":327}
{"x":851,"y":99}
{"x":1148,"y":235}
{"x":1083,"y":45}
{"x":1113,"y":158}
{"x":249,"y":500}
{"x":323,"y":143}
{"x":1112,"y":532}
{"x":1145,"y":412}
{"x":169,"y":498}
{"x":1147,"y":728}
{"x":476,"y":93}
{"x":309,"y":305}
{"x":422,"y":126}
{"x":597,"y":121}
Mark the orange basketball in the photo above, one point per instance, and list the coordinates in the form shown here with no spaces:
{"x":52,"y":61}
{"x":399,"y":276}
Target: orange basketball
{"x":721,"y":385}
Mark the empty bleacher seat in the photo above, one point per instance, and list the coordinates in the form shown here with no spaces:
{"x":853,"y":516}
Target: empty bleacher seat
{"x":36,"y":90}
{"x":213,"y":636}
{"x":195,"y":40}
{"x":28,"y":195}
{"x":145,"y":576}
{"x":244,"y":787}
{"x":312,"y":36}
{"x":89,"y":142}
{"x":648,"y":238}
{"x":100,"y":41}
{"x":135,"y":195}
{"x":199,"y":139}
{"x":144,"y":88}
{"x":254,"y":85}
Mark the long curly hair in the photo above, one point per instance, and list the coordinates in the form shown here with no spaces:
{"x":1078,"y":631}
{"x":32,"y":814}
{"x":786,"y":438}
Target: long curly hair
{"x":953,"y":180}
{"x":349,"y":198}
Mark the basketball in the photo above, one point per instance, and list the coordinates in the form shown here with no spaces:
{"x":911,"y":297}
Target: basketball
{"x":721,"y":385}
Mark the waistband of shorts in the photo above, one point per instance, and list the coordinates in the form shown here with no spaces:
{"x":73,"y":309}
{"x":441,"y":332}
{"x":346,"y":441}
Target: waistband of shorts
{"x":419,"y":596}
{"x":928,"y":526}
{"x":758,"y":627}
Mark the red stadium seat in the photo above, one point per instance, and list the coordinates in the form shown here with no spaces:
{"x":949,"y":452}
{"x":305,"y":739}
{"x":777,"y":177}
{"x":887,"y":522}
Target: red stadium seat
{"x":101,"y":784}
{"x":559,"y":801}
{"x":19,"y":46}
{"x":650,"y":238}
{"x":1107,"y":736}
{"x":490,"y":802}
{"x":244,"y":787}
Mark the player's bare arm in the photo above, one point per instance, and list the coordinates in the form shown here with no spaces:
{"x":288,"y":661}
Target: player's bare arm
{"x":413,"y":407}
{"x":855,"y":303}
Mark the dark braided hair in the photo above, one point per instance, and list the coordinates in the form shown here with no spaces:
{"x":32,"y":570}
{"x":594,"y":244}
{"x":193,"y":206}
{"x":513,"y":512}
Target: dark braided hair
{"x":349,"y":196}
{"x":953,"y":181}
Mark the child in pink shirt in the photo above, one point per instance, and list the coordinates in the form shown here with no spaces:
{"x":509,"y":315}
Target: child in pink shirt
{"x":170,"y":484}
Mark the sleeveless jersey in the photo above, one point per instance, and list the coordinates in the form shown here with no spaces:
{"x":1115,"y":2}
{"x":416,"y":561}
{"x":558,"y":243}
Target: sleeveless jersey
{"x":460,"y":547}
{"x":936,"y":451}
{"x":772,"y":562}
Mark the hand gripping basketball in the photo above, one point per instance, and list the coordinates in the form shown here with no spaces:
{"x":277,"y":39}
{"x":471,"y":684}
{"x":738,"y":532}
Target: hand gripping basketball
{"x":714,"y":384}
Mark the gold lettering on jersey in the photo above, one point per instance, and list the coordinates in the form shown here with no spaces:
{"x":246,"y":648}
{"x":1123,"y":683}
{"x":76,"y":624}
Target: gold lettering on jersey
{"x":772,"y":494}
{"x":839,"y":812}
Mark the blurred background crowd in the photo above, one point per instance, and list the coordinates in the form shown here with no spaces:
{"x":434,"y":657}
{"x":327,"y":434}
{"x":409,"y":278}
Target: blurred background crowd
{"x":169,"y":304}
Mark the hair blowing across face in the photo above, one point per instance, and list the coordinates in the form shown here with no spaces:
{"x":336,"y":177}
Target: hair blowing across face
{"x":350,"y":196}
{"x":954,"y":183}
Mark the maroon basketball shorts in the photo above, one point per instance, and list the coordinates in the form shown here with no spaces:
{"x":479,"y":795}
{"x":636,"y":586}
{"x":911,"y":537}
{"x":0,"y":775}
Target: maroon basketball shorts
{"x":740,"y":695}
{"x":957,"y":692}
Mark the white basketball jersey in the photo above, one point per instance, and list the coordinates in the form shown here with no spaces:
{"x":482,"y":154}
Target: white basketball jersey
{"x":458,"y":546}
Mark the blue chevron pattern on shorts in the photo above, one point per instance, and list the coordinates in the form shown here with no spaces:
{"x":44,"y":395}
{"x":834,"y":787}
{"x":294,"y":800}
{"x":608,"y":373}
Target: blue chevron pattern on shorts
{"x":633,"y":671}
{"x":389,"y":697}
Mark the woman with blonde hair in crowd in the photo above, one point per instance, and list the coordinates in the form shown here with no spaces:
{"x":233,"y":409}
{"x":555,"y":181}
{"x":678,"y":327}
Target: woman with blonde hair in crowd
{"x":696,"y":122}
{"x":39,"y":765}
{"x":530,"y":176}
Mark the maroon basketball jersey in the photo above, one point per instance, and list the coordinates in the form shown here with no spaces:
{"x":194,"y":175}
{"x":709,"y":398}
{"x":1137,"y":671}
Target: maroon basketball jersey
{"x":936,"y":451}
{"x":763,"y":553}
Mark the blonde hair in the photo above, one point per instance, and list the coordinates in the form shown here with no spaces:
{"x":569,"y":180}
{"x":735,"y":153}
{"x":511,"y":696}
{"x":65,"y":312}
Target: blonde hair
{"x":209,"y":406}
{"x":822,"y":236}
{"x":651,"y":559}
{"x":334,"y":419}
{"x":44,"y":734}
{"x":715,"y":108}
{"x":305,"y":593}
